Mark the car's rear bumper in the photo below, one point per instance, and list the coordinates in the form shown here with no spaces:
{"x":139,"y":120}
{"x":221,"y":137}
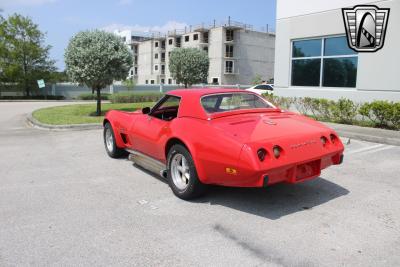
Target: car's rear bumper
{"x":290,"y":173}
{"x":300,"y":172}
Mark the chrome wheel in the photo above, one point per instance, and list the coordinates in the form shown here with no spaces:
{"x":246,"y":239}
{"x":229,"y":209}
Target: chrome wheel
{"x":109,"y":140}
{"x":180,"y":171}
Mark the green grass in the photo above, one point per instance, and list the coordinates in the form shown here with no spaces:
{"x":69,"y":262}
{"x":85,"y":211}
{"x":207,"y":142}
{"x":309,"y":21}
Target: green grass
{"x":81,"y":113}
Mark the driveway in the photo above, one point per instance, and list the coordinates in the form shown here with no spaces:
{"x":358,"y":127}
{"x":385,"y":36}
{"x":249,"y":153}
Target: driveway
{"x":63,"y":201}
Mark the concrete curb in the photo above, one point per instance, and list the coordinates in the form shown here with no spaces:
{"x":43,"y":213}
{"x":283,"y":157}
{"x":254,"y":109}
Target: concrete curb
{"x":382,"y":136}
{"x":87,"y":126}
{"x":375,"y":135}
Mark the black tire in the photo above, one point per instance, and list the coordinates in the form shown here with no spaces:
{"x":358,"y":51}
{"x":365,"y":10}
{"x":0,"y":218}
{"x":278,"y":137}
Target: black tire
{"x":112,"y":150}
{"x":194,"y":187}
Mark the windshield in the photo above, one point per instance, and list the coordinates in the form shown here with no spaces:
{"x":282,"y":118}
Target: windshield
{"x":232,"y":101}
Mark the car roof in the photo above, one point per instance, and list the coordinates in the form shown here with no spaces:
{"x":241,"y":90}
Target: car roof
{"x":190,"y":105}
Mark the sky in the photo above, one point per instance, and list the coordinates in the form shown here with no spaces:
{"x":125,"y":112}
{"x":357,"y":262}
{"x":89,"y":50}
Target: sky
{"x":61,"y":19}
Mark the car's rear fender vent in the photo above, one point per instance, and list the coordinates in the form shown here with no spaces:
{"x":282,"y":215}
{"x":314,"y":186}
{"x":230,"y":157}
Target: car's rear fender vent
{"x":124,"y":138}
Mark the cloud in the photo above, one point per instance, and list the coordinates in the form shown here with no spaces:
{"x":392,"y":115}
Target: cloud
{"x":7,"y":3}
{"x":124,"y":2}
{"x":170,"y":25}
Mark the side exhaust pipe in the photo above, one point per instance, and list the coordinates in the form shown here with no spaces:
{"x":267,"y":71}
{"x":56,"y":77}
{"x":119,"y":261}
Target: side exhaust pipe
{"x":148,"y":163}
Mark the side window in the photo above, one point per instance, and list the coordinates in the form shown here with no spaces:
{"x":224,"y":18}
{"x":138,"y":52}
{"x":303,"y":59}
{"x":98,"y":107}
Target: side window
{"x":167,"y":108}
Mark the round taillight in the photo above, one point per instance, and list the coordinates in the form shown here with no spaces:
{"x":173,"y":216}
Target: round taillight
{"x":277,"y":151}
{"x":261,"y":153}
{"x":324,"y":140}
{"x":333,"y":138}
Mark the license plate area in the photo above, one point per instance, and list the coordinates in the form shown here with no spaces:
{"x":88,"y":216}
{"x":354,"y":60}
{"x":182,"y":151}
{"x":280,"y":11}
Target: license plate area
{"x":308,"y":170}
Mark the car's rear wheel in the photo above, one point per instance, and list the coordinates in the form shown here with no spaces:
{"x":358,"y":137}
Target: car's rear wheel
{"x":110,"y":144}
{"x":182,"y":174}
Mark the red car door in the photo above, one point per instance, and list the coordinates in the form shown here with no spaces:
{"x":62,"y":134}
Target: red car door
{"x":151,"y":131}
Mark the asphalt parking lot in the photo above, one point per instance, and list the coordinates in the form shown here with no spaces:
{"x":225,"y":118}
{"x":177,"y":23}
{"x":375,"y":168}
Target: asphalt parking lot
{"x":63,"y":201}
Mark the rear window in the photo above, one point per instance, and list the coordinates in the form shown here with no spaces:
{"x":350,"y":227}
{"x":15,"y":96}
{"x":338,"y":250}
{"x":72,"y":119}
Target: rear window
{"x":232,"y":101}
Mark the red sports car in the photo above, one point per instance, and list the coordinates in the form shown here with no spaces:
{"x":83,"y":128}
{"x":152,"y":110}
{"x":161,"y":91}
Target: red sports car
{"x":231,"y":137}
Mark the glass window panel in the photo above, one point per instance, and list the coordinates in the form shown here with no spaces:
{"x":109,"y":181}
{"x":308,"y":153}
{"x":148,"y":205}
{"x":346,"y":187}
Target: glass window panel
{"x":340,"y":72}
{"x":306,"y":72}
{"x":335,"y":46}
{"x":307,"y":48}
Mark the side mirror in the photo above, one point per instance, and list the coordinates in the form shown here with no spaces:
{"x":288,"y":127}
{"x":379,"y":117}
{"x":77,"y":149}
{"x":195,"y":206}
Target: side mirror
{"x":146,"y":110}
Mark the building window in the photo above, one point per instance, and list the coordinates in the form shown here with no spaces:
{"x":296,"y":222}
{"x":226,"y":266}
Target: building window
{"x":229,"y":35}
{"x":131,"y":72}
{"x":178,"y":42}
{"x":156,"y":55}
{"x":156,"y":44}
{"x":162,"y":69}
{"x":215,"y":81}
{"x":205,"y":37}
{"x":136,"y":70}
{"x":195,"y":37}
{"x":151,"y":81}
{"x":136,"y":60}
{"x":169,"y":81}
{"x":326,"y":62}
{"x":156,"y":67}
{"x":162,"y":81}
{"x":229,"y":66}
{"x":169,"y":54}
{"x":146,"y":82}
{"x":205,"y":49}
{"x":163,"y":57}
{"x":170,"y":41}
{"x":187,"y":38}
{"x":229,"y":51}
{"x":163,"y":44}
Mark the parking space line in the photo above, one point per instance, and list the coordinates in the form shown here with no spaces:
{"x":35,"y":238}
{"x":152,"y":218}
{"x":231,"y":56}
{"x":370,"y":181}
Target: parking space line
{"x":364,"y":149}
{"x":379,"y":149}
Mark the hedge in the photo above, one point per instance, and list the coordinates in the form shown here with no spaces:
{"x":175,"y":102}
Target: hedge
{"x":36,"y":97}
{"x":128,"y":97}
{"x":90,"y":96}
{"x":381,"y":114}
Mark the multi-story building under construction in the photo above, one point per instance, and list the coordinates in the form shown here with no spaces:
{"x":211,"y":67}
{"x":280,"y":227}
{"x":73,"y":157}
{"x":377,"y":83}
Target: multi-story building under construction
{"x":237,"y":53}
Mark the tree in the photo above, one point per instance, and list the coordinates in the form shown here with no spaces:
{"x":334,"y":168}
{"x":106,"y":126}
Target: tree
{"x":188,"y":65}
{"x":257,"y":79}
{"x":24,"y":58}
{"x":129,"y":83}
{"x":97,"y":58}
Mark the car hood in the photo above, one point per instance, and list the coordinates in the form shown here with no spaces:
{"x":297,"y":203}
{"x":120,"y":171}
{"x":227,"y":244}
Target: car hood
{"x":270,"y":126}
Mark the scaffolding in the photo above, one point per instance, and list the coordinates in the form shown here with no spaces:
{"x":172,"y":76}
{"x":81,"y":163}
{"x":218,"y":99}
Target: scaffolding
{"x":202,"y":28}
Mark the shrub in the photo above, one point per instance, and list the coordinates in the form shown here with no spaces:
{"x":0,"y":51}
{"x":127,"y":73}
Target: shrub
{"x":344,"y":111}
{"x":127,"y":97}
{"x":89,"y":96}
{"x":395,"y":116}
{"x":280,"y":101}
{"x":38,"y":97}
{"x":382,"y":113}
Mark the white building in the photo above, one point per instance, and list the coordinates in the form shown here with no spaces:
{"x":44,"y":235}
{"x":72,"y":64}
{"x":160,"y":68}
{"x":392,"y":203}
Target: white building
{"x":237,"y":53}
{"x":312,"y":57}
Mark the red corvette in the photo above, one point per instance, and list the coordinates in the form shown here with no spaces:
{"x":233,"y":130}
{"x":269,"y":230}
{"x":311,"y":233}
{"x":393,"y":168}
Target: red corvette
{"x":227,"y":137}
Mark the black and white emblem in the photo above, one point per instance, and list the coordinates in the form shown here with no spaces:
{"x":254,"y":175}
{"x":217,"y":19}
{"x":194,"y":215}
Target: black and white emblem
{"x":365,"y":27}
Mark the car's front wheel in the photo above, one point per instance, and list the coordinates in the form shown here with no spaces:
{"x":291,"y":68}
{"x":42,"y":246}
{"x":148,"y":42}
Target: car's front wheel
{"x":182,"y":174}
{"x":110,"y":144}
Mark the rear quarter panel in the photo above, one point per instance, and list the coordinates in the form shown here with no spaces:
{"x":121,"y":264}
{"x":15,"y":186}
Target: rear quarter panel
{"x":212,"y":149}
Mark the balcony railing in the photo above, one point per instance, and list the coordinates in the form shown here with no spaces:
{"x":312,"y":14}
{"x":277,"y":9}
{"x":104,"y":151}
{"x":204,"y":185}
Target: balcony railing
{"x":228,"y":54}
